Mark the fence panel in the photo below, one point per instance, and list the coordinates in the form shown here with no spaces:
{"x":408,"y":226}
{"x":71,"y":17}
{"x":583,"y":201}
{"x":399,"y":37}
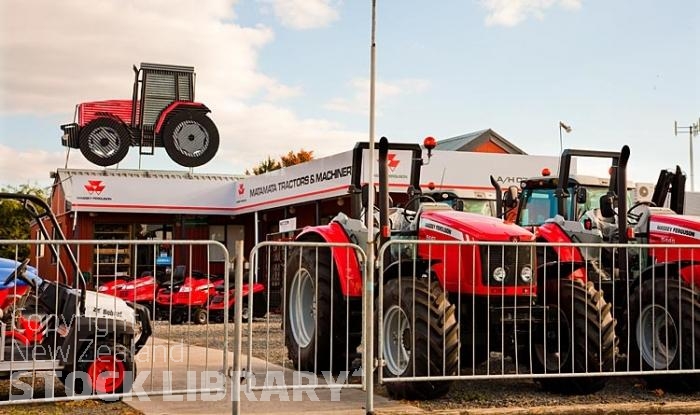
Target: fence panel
{"x":312,"y":339}
{"x":572,"y":316}
{"x":145,"y":321}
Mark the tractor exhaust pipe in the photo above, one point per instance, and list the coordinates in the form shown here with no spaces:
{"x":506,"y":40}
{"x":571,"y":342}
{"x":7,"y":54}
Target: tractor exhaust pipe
{"x":383,"y":202}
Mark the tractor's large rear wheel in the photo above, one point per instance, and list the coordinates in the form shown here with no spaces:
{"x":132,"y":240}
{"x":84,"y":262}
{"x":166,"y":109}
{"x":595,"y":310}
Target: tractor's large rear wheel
{"x":104,"y":141}
{"x":577,"y":336}
{"x":319,"y":336}
{"x":664,"y":320}
{"x":190,"y":138}
{"x":420,"y":337}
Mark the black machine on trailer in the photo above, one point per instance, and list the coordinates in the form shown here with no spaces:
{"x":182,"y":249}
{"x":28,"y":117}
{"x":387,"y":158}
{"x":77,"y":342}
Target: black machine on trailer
{"x":89,"y":339}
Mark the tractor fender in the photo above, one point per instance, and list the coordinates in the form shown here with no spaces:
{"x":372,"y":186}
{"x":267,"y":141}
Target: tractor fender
{"x":553,"y":233}
{"x":175,"y":107}
{"x":408,"y":268}
{"x":571,"y":270}
{"x":347,"y":264}
{"x":686,"y":271}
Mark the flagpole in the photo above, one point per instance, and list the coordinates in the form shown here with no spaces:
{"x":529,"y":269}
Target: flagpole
{"x":368,"y":359}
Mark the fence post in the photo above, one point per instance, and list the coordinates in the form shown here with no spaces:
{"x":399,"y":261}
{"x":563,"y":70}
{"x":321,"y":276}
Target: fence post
{"x":236,"y":380}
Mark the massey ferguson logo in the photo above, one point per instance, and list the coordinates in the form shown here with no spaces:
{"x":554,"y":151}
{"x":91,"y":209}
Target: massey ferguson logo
{"x":95,"y":187}
{"x":392,"y":161}
{"x":241,"y":189}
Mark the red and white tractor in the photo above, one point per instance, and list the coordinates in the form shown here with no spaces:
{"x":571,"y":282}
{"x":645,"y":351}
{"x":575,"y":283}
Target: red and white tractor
{"x":654,"y":291}
{"x":444,"y":305}
{"x":161,"y":113}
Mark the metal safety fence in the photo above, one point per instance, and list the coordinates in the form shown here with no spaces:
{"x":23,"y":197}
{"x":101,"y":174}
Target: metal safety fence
{"x":571,"y":316}
{"x":312,"y":340}
{"x":142,"y":318}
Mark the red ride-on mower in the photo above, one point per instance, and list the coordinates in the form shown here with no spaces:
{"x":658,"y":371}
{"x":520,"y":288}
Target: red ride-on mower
{"x":161,"y":113}
{"x":182,"y":300}
{"x":218,"y":303}
{"x":141,"y":290}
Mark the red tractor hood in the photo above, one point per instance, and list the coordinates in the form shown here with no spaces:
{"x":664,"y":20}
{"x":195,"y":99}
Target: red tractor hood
{"x":674,"y":229}
{"x":475,"y":227}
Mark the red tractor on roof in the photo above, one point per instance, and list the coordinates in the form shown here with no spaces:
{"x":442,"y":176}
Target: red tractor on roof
{"x":653,"y":290}
{"x":444,"y":305}
{"x":161,"y":113}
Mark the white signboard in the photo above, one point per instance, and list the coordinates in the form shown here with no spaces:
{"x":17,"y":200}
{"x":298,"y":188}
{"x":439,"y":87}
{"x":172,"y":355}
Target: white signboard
{"x":314,"y":180}
{"x":105,"y":193}
{"x":288,"y":225}
{"x":465,"y":173}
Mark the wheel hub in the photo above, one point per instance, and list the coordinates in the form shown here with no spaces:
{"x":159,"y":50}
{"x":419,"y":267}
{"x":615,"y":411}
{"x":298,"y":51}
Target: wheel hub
{"x":657,"y":337}
{"x":397,"y":340}
{"x":104,"y":141}
{"x":302,"y":307}
{"x":190,"y":138}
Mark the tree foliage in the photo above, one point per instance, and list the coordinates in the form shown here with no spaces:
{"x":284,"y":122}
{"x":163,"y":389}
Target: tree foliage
{"x":290,"y":159}
{"x":14,"y":222}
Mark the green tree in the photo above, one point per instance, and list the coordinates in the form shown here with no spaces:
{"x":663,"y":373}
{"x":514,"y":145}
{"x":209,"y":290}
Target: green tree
{"x":14,"y":222}
{"x":289,"y":159}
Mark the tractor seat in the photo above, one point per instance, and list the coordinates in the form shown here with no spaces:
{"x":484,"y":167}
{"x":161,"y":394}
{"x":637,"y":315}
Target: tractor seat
{"x":607,"y":225}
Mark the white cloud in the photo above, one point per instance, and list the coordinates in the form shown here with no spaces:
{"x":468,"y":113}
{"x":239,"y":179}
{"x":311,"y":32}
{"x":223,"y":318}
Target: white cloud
{"x":385,"y":92}
{"x":33,"y":166}
{"x":54,"y":55}
{"x":512,"y":12}
{"x":304,"y":14}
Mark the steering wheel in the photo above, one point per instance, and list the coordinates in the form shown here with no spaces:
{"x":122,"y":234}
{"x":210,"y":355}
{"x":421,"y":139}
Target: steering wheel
{"x":636,"y":216}
{"x":409,"y":217}
{"x":19,"y":273}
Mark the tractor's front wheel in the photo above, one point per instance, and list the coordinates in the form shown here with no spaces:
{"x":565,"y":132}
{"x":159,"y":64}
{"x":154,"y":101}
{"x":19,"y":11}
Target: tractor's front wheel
{"x":577,"y":336}
{"x":420,"y":337}
{"x":664,"y":320}
{"x":190,"y":138}
{"x":318,"y":334}
{"x":104,"y":141}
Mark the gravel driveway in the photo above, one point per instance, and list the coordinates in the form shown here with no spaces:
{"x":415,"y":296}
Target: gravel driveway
{"x":464,"y":394}
{"x":492,"y":393}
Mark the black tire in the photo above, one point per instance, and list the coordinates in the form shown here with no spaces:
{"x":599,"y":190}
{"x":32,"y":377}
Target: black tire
{"x":664,"y":317}
{"x":315,"y":319}
{"x":428,"y":345}
{"x":577,"y":336}
{"x":473,"y":335}
{"x":190,"y":138}
{"x":104,"y":141}
{"x":259,"y":305}
{"x":93,"y":368}
{"x":177,"y":317}
{"x":200,"y":316}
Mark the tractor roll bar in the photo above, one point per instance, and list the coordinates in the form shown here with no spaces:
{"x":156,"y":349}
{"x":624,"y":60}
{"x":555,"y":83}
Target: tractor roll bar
{"x":355,"y":188}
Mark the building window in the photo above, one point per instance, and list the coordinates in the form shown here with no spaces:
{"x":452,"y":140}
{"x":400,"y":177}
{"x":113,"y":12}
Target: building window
{"x":217,"y":233}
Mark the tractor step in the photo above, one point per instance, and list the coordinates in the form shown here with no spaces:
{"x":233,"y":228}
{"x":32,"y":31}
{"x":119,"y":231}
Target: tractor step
{"x":147,"y":142}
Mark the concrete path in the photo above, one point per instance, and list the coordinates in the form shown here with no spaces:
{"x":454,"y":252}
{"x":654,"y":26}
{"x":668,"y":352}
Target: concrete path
{"x":204,"y":366}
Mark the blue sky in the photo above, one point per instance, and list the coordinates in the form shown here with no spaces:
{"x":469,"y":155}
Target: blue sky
{"x":290,"y":74}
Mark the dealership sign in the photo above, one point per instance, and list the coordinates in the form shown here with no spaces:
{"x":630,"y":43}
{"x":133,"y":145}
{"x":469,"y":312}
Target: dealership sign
{"x":119,"y":192}
{"x":329,"y":177}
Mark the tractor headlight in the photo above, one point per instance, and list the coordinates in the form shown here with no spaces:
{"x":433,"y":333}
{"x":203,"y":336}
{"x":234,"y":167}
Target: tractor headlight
{"x":499,"y":274}
{"x":526,"y":273}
